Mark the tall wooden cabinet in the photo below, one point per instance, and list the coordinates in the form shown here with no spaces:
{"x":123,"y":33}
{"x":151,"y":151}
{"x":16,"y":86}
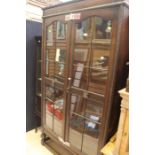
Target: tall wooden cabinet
{"x":84,"y":52}
{"x":38,"y":80}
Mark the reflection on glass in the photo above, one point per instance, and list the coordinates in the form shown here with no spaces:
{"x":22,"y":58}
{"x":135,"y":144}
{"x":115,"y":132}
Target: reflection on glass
{"x":93,"y":110}
{"x":80,"y":58}
{"x":49,"y":36}
{"x":100,"y":62}
{"x":60,"y":55}
{"x":50,"y":69}
{"x":98,"y":75}
{"x":58,"y":108}
{"x":79,"y":123}
{"x":77,"y":74}
{"x":85,"y":116}
{"x":49,"y":114}
{"x":103,"y":28}
{"x":77,"y":104}
{"x":90,"y":143}
{"x":83,"y":30}
{"x":61,"y":30}
{"x":50,"y":91}
{"x":80,"y":55}
{"x":53,"y":92}
{"x":54,"y":112}
{"x":90,"y":109}
{"x":75,"y":131}
{"x":99,"y":67}
{"x":60,"y":61}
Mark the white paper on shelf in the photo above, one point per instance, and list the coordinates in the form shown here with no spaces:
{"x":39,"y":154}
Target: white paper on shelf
{"x":73,"y":99}
{"x":94,"y":118}
{"x":76,"y":83}
{"x":72,"y":107}
{"x":78,"y":75}
{"x":80,"y":67}
{"x":91,"y":125}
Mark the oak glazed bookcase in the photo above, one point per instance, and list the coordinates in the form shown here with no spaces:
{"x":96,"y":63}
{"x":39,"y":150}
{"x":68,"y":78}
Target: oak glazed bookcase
{"x":84,"y":52}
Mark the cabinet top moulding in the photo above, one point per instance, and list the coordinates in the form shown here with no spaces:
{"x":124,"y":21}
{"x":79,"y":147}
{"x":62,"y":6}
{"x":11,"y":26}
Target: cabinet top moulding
{"x":86,"y":5}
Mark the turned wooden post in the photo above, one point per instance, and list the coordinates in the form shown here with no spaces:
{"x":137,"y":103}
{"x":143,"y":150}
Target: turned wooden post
{"x":122,"y":137}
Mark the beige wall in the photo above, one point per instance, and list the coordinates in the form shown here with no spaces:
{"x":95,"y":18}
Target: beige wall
{"x":33,"y":13}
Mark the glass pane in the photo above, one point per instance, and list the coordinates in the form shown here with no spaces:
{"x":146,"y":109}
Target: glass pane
{"x":61,"y":30}
{"x":49,"y":115}
{"x":58,"y":116}
{"x":93,"y":114}
{"x":85,"y":117}
{"x":60,"y":64}
{"x":99,"y":67}
{"x":80,"y":72}
{"x":91,"y":128}
{"x":76,"y":131}
{"x":55,"y":64}
{"x":77,"y":104}
{"x":60,"y":55}
{"x":80,"y":55}
{"x":83,"y":30}
{"x":49,"y":91}
{"x":55,"y":105}
{"x":94,"y":109}
{"x":49,"y":36}
{"x":76,"y":121}
{"x":59,"y":69}
{"x":103,"y":28}
{"x":50,"y":54}
{"x":53,"y":92}
{"x":90,"y":138}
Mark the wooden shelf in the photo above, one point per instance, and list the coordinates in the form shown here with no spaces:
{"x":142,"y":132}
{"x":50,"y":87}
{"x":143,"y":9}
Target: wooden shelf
{"x":102,"y":41}
{"x":93,"y":113}
{"x":83,"y":42}
{"x":86,"y":118}
{"x":47,"y":98}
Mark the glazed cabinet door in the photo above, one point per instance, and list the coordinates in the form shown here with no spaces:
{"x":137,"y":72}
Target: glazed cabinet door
{"x":55,"y":53}
{"x":91,"y":51}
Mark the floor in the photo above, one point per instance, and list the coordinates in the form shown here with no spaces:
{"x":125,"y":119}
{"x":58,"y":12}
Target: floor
{"x":33,"y":144}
